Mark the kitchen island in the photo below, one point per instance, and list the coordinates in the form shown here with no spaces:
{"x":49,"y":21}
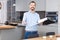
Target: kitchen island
{"x":8,"y":32}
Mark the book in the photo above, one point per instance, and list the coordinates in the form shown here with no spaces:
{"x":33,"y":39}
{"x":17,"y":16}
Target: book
{"x":42,"y":20}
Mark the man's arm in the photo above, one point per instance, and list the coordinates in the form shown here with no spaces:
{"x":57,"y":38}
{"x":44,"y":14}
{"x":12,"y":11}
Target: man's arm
{"x":24,"y":19}
{"x":40,"y":21}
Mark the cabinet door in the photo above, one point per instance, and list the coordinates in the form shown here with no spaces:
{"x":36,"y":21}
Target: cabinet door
{"x":11,"y":10}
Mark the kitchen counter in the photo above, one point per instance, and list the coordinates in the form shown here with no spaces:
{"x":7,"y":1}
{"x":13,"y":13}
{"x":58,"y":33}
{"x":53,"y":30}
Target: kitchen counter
{"x":43,"y":29}
{"x":16,"y":32}
{"x":9,"y":32}
{"x":7,"y":27}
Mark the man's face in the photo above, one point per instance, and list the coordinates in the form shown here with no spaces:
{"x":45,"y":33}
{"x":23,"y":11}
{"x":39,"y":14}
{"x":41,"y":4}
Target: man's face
{"x":32,"y":6}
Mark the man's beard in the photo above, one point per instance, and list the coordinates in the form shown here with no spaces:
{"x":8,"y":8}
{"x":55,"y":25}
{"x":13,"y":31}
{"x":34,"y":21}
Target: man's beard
{"x":32,"y":8}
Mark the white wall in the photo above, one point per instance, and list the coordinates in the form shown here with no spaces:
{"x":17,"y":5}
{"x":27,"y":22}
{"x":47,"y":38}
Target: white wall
{"x":42,"y":5}
{"x":3,"y":11}
{"x":59,"y":16}
{"x":22,"y":5}
{"x":51,"y":5}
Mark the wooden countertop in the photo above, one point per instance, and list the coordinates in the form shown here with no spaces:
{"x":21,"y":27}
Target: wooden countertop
{"x":6,"y":27}
{"x":57,"y":35}
{"x":47,"y":38}
{"x":42,"y":38}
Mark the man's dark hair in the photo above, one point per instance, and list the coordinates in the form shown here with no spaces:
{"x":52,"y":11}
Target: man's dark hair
{"x":32,"y":2}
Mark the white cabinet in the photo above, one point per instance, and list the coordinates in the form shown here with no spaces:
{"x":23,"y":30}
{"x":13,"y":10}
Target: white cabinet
{"x":51,"y":5}
{"x":11,"y":14}
{"x":3,"y":11}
